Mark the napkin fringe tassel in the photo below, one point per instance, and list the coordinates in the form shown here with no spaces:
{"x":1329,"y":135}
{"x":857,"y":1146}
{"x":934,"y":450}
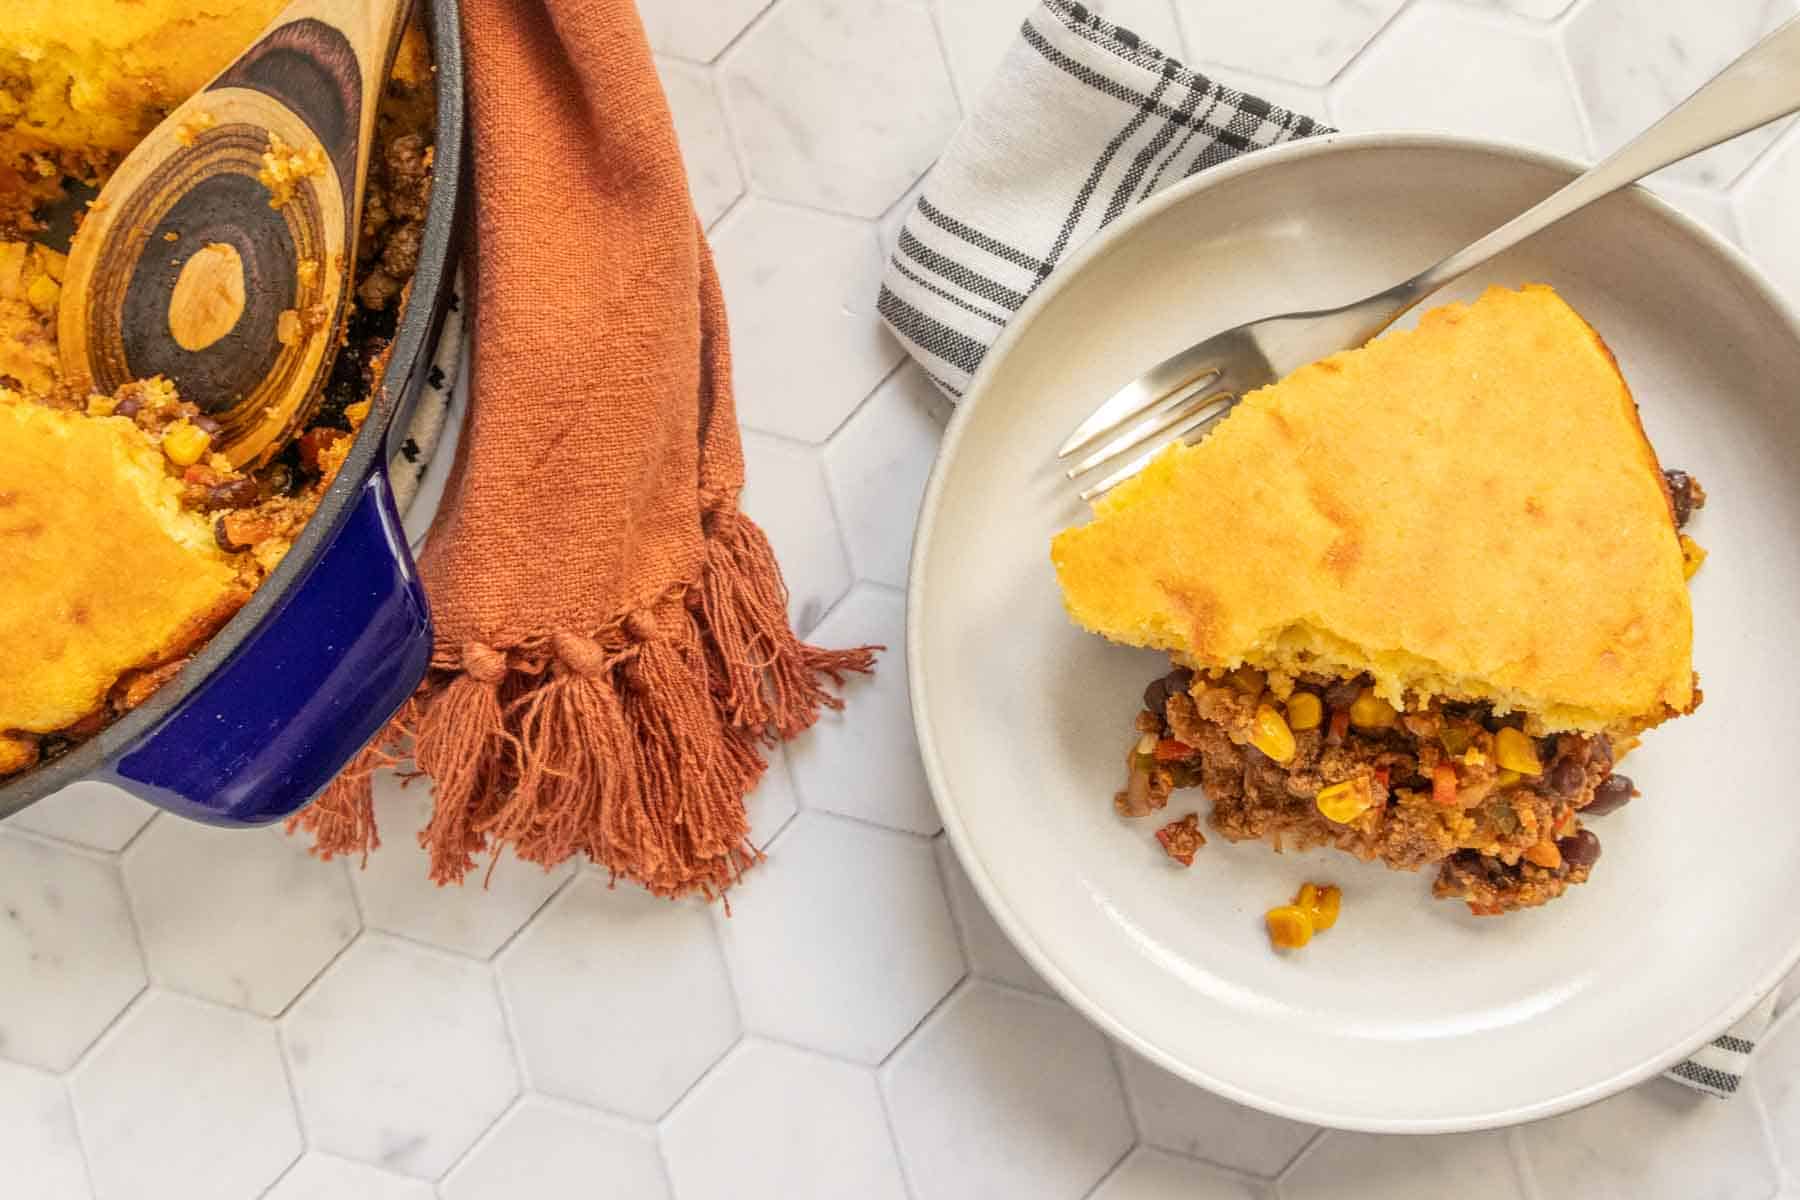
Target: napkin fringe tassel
{"x":635,"y":745}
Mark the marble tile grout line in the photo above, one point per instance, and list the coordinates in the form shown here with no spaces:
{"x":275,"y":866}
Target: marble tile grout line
{"x":1524,"y":1171}
{"x":485,"y":1136}
{"x":1762,"y":160}
{"x":1113,"y":1050}
{"x":1305,"y":1152}
{"x":283,"y":1054}
{"x":48,"y":841}
{"x":1590,"y":138}
{"x":1106,"y":1177}
{"x":1751,"y":1090}
{"x":934,"y":11}
{"x":83,"y":1135}
{"x":716,"y":79}
{"x":1362,"y":51}
{"x":854,"y":818}
{"x":838,"y":429}
{"x":887,"y":1105}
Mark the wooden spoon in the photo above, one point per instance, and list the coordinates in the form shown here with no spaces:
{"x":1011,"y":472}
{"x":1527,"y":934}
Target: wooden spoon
{"x":219,"y":254}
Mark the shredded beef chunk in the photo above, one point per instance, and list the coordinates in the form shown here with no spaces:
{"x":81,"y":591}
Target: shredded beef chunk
{"x":1451,"y":786}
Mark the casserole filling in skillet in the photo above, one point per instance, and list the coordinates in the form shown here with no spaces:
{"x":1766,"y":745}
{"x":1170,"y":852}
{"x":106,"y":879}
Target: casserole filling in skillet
{"x":125,"y":541}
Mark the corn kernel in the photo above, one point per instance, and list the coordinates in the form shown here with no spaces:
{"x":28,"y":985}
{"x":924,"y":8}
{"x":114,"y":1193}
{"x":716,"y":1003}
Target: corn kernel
{"x":1321,"y":904}
{"x":1346,"y":801}
{"x":1270,"y":734}
{"x":101,"y":406}
{"x":42,"y":294}
{"x":1369,"y":711}
{"x":1545,"y":854}
{"x":55,"y":265}
{"x":1290,"y":927}
{"x":1507,"y":779}
{"x":1692,"y":555}
{"x":1304,"y":711}
{"x":185,"y":443}
{"x":1514,"y":751}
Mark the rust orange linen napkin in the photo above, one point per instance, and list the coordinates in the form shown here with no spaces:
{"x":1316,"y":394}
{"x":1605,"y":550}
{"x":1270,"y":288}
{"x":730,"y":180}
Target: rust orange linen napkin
{"x":612,"y":638}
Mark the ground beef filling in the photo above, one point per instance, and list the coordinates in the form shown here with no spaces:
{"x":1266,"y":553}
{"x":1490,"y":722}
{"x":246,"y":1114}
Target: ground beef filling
{"x":1437,"y":793}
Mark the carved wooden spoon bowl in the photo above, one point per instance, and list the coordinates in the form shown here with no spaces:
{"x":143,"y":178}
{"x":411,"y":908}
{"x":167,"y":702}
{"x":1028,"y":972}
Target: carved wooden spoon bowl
{"x":219,"y":254}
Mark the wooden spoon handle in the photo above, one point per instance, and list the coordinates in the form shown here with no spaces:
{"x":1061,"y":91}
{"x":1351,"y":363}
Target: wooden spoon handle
{"x":219,"y":253}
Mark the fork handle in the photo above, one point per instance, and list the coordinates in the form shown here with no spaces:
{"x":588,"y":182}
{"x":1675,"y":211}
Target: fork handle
{"x":1757,"y":88}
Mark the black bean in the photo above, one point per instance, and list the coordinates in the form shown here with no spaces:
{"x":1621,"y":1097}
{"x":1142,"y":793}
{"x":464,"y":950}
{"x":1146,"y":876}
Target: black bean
{"x":207,"y":425}
{"x":128,"y":407}
{"x":234,"y":493}
{"x":1344,"y":692}
{"x":1156,"y":695}
{"x":1682,"y":494}
{"x":1180,"y":679}
{"x":279,"y":480}
{"x":1566,"y":777}
{"x":1580,"y":849}
{"x":1614,"y":793}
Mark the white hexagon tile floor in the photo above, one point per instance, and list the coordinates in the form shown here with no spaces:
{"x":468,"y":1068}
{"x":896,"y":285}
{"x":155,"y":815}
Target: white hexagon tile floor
{"x":188,"y":1014}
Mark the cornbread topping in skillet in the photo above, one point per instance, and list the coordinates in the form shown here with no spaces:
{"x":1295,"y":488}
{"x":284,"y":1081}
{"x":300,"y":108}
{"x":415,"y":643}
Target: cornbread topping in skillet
{"x":1421,"y":597}
{"x":125,"y":540}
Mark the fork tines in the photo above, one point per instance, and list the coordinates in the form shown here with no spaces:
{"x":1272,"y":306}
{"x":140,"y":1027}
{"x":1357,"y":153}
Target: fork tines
{"x":1139,"y":422}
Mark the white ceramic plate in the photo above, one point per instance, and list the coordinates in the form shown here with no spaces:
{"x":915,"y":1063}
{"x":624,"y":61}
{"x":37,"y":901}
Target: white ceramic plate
{"x":1410,"y":1015}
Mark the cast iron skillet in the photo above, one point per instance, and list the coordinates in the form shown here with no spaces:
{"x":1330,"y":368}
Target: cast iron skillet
{"x":339,"y":636}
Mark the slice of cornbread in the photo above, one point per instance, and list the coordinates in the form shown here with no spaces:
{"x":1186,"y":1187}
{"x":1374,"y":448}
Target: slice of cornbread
{"x":105,"y":570}
{"x":82,"y":81}
{"x":1469,"y":511}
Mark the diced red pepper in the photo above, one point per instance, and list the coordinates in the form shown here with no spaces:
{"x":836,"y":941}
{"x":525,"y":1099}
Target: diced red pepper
{"x":1171,"y":750}
{"x":1340,"y":725}
{"x":1443,"y":784}
{"x":1180,"y":839}
{"x":1382,"y":773}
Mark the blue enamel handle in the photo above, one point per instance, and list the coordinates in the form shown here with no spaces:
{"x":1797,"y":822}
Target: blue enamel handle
{"x":304,"y":692}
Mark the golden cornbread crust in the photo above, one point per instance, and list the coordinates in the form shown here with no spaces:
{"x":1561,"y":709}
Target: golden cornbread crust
{"x":82,"y":83}
{"x":1468,"y":511}
{"x":106,"y":571}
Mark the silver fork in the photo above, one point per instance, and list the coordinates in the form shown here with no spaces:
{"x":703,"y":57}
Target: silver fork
{"x":1187,"y":394}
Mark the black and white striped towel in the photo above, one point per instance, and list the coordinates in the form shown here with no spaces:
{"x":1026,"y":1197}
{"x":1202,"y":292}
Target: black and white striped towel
{"x":1082,"y":121}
